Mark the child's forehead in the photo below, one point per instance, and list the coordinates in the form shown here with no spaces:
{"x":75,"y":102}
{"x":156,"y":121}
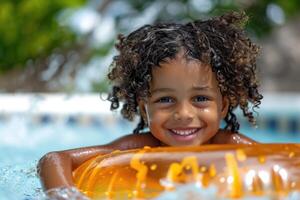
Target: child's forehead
{"x":181,"y":67}
{"x":184,"y":59}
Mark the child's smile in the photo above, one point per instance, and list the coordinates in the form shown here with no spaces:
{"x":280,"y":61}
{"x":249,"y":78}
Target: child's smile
{"x":185,"y":135}
{"x":186,"y":105}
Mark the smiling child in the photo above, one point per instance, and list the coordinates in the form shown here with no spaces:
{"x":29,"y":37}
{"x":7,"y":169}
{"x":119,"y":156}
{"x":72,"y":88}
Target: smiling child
{"x":182,"y":80}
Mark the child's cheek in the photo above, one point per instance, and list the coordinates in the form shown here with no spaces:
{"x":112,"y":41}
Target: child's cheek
{"x":211,"y":117}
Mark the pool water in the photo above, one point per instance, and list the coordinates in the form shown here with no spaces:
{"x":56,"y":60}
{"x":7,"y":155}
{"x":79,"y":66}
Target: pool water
{"x":27,"y":136}
{"x":23,"y":143}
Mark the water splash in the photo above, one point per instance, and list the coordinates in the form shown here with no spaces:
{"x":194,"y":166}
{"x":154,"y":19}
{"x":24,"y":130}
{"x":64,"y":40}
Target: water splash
{"x":19,"y":182}
{"x":64,"y":194}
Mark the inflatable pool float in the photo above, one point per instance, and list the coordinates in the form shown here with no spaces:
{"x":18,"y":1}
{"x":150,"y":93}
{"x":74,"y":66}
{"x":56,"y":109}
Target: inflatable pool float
{"x":234,"y":170}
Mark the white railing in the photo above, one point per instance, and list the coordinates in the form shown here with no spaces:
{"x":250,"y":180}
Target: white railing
{"x":54,"y":104}
{"x":95,"y":104}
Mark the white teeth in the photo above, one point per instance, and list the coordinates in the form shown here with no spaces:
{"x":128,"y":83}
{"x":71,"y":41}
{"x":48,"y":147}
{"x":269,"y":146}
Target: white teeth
{"x":184,"y":132}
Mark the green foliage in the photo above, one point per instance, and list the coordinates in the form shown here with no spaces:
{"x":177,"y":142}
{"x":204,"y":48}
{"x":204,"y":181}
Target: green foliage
{"x":29,"y":29}
{"x":32,"y":30}
{"x":260,"y":24}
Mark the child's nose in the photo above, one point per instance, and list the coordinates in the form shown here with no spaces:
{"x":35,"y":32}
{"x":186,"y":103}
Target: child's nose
{"x":184,"y":112}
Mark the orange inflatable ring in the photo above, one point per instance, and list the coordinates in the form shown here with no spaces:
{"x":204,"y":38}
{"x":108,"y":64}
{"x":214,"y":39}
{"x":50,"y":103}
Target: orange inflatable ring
{"x":234,"y":170}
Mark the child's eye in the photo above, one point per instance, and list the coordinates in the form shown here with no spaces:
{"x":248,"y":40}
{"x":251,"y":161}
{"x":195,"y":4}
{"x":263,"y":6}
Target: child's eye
{"x":165,"y":100}
{"x":201,"y":99}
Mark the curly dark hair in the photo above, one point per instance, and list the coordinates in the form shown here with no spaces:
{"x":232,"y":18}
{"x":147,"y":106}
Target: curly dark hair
{"x":220,"y":42}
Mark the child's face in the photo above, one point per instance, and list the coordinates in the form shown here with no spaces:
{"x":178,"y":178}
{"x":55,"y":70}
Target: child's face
{"x":186,"y":105}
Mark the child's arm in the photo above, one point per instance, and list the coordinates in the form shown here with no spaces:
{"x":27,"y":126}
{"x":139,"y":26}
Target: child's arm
{"x":227,"y":137}
{"x":55,"y":168}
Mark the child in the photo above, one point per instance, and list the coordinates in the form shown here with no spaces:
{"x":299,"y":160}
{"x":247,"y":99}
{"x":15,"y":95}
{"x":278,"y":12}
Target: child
{"x":182,"y":80}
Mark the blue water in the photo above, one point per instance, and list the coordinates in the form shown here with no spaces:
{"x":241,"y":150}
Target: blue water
{"x":24,"y":141}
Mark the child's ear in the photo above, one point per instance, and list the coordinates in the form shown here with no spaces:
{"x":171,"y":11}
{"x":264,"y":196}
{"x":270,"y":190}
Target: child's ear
{"x":225,"y":107}
{"x":142,"y":108}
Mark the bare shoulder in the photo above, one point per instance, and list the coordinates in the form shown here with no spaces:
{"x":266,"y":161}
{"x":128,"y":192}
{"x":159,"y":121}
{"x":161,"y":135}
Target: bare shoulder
{"x":228,"y":137}
{"x":134,"y":141}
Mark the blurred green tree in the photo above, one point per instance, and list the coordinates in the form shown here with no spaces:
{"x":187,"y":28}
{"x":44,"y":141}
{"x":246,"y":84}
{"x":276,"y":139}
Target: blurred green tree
{"x":33,"y":37}
{"x":29,"y":30}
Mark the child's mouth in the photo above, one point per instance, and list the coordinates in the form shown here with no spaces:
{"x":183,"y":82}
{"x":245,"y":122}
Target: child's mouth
{"x":184,"y":132}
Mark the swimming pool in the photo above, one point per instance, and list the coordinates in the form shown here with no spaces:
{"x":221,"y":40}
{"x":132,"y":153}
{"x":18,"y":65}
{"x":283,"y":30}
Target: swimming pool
{"x":31,"y":125}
